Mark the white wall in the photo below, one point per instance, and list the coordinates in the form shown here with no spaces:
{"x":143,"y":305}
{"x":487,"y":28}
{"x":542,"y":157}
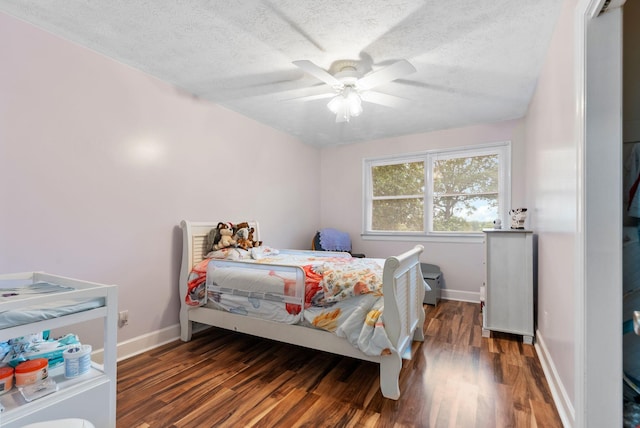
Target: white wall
{"x":100,"y":162}
{"x":598,"y":339}
{"x":552,"y":152}
{"x":341,"y":207}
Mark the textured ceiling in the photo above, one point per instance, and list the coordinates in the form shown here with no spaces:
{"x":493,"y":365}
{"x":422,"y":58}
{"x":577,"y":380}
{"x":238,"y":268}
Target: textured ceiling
{"x":477,"y":61}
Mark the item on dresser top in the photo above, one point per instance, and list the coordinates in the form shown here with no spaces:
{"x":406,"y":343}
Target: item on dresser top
{"x":77,"y":360}
{"x":31,"y":372}
{"x":5,"y":348}
{"x":518,"y":217}
{"x":37,"y":390}
{"x":6,"y":379}
{"x":30,"y":347}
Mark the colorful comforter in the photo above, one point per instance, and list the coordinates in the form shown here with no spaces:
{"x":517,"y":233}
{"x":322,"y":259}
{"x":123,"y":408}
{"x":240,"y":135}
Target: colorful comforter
{"x":341,"y":295}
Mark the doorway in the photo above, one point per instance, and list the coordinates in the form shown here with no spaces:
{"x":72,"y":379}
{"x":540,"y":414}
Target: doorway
{"x":631,"y":213}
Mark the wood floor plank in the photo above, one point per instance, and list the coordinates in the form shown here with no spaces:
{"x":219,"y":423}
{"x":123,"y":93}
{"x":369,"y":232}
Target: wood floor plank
{"x":291,"y":409}
{"x":456,"y":378}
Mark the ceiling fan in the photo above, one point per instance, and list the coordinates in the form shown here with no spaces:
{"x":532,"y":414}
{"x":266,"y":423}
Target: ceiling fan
{"x":351,"y":87}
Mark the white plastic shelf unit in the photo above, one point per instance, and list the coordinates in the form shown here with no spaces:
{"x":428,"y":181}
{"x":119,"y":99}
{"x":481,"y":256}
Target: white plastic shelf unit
{"x":91,"y":396}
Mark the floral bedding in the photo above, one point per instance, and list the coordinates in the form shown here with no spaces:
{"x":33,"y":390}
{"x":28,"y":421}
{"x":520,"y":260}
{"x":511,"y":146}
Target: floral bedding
{"x":341,"y":294}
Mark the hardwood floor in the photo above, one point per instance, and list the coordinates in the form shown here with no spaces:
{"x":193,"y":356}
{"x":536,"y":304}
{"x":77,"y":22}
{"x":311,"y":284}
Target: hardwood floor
{"x":456,"y":378}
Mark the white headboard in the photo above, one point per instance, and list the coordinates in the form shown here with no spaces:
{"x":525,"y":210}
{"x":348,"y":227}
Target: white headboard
{"x":194,"y":235}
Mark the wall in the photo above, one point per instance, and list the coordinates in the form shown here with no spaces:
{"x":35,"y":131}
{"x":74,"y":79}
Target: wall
{"x":552,"y":152}
{"x":100,"y":162}
{"x":341,"y":206}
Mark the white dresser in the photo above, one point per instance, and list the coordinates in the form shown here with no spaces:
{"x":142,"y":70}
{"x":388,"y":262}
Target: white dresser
{"x":509,"y":288}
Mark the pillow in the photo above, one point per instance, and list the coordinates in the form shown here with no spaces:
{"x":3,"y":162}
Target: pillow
{"x":260,"y":252}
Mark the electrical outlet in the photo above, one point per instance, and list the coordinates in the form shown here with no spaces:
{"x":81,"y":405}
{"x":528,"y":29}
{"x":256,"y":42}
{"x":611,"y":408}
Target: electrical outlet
{"x":123,"y":318}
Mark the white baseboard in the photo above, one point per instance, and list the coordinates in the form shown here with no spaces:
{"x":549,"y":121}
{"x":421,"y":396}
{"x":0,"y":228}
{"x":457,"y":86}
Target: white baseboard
{"x":140,"y":344}
{"x":559,"y":393}
{"x":462,"y":296}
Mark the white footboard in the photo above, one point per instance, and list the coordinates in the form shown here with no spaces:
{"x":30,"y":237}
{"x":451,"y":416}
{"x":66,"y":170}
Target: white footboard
{"x":403,"y":289}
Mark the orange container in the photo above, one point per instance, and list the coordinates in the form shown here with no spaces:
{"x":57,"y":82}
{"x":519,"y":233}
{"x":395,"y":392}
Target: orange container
{"x":6,"y":379}
{"x":32,"y":371}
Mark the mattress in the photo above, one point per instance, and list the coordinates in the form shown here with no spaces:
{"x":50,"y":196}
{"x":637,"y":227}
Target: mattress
{"x":12,"y":290}
{"x":340,"y":295}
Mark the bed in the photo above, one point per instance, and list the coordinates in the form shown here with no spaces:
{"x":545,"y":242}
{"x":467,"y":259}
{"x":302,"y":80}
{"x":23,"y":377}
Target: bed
{"x":402,"y":294}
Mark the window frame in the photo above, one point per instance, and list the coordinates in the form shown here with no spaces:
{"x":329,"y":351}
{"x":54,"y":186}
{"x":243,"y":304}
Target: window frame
{"x":502,"y":149}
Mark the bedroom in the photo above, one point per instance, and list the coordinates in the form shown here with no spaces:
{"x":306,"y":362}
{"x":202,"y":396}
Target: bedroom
{"x":115,"y":159}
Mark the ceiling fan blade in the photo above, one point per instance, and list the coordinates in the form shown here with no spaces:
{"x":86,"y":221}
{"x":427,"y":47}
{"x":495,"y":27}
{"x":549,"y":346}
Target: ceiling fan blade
{"x":387,"y":74}
{"x":318,"y":73}
{"x":312,"y":97}
{"x":385,"y":99}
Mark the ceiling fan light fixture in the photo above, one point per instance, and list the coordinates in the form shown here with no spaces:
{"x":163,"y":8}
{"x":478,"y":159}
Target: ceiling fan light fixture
{"x":346,"y":104}
{"x":339,"y":106}
{"x":354,"y":103}
{"x":336,"y":103}
{"x":348,"y":81}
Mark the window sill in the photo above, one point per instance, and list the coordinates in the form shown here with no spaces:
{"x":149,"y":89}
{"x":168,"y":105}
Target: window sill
{"x":464,"y":238}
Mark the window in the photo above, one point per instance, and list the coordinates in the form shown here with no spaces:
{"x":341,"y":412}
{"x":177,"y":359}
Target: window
{"x":444,"y":192}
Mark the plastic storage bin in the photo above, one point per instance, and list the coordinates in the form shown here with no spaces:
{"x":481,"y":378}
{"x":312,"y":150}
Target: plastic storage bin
{"x":433,"y":277}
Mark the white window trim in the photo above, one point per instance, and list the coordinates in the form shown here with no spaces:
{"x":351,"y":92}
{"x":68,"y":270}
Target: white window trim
{"x":502,"y":148}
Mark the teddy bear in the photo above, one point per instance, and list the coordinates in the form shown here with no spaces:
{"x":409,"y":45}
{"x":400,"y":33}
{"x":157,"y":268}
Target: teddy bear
{"x":226,"y":237}
{"x":212,"y":238}
{"x":241,"y":225}
{"x":253,"y":243}
{"x":242,"y":238}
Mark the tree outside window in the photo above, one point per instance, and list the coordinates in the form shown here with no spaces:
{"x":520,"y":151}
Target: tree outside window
{"x":440,"y":192}
{"x":465,"y":193}
{"x":398,"y":197}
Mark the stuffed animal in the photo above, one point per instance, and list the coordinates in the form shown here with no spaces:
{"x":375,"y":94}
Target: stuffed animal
{"x":212,"y":239}
{"x":242,"y":238}
{"x":226,"y":237}
{"x":240,"y":226}
{"x":253,"y":243}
